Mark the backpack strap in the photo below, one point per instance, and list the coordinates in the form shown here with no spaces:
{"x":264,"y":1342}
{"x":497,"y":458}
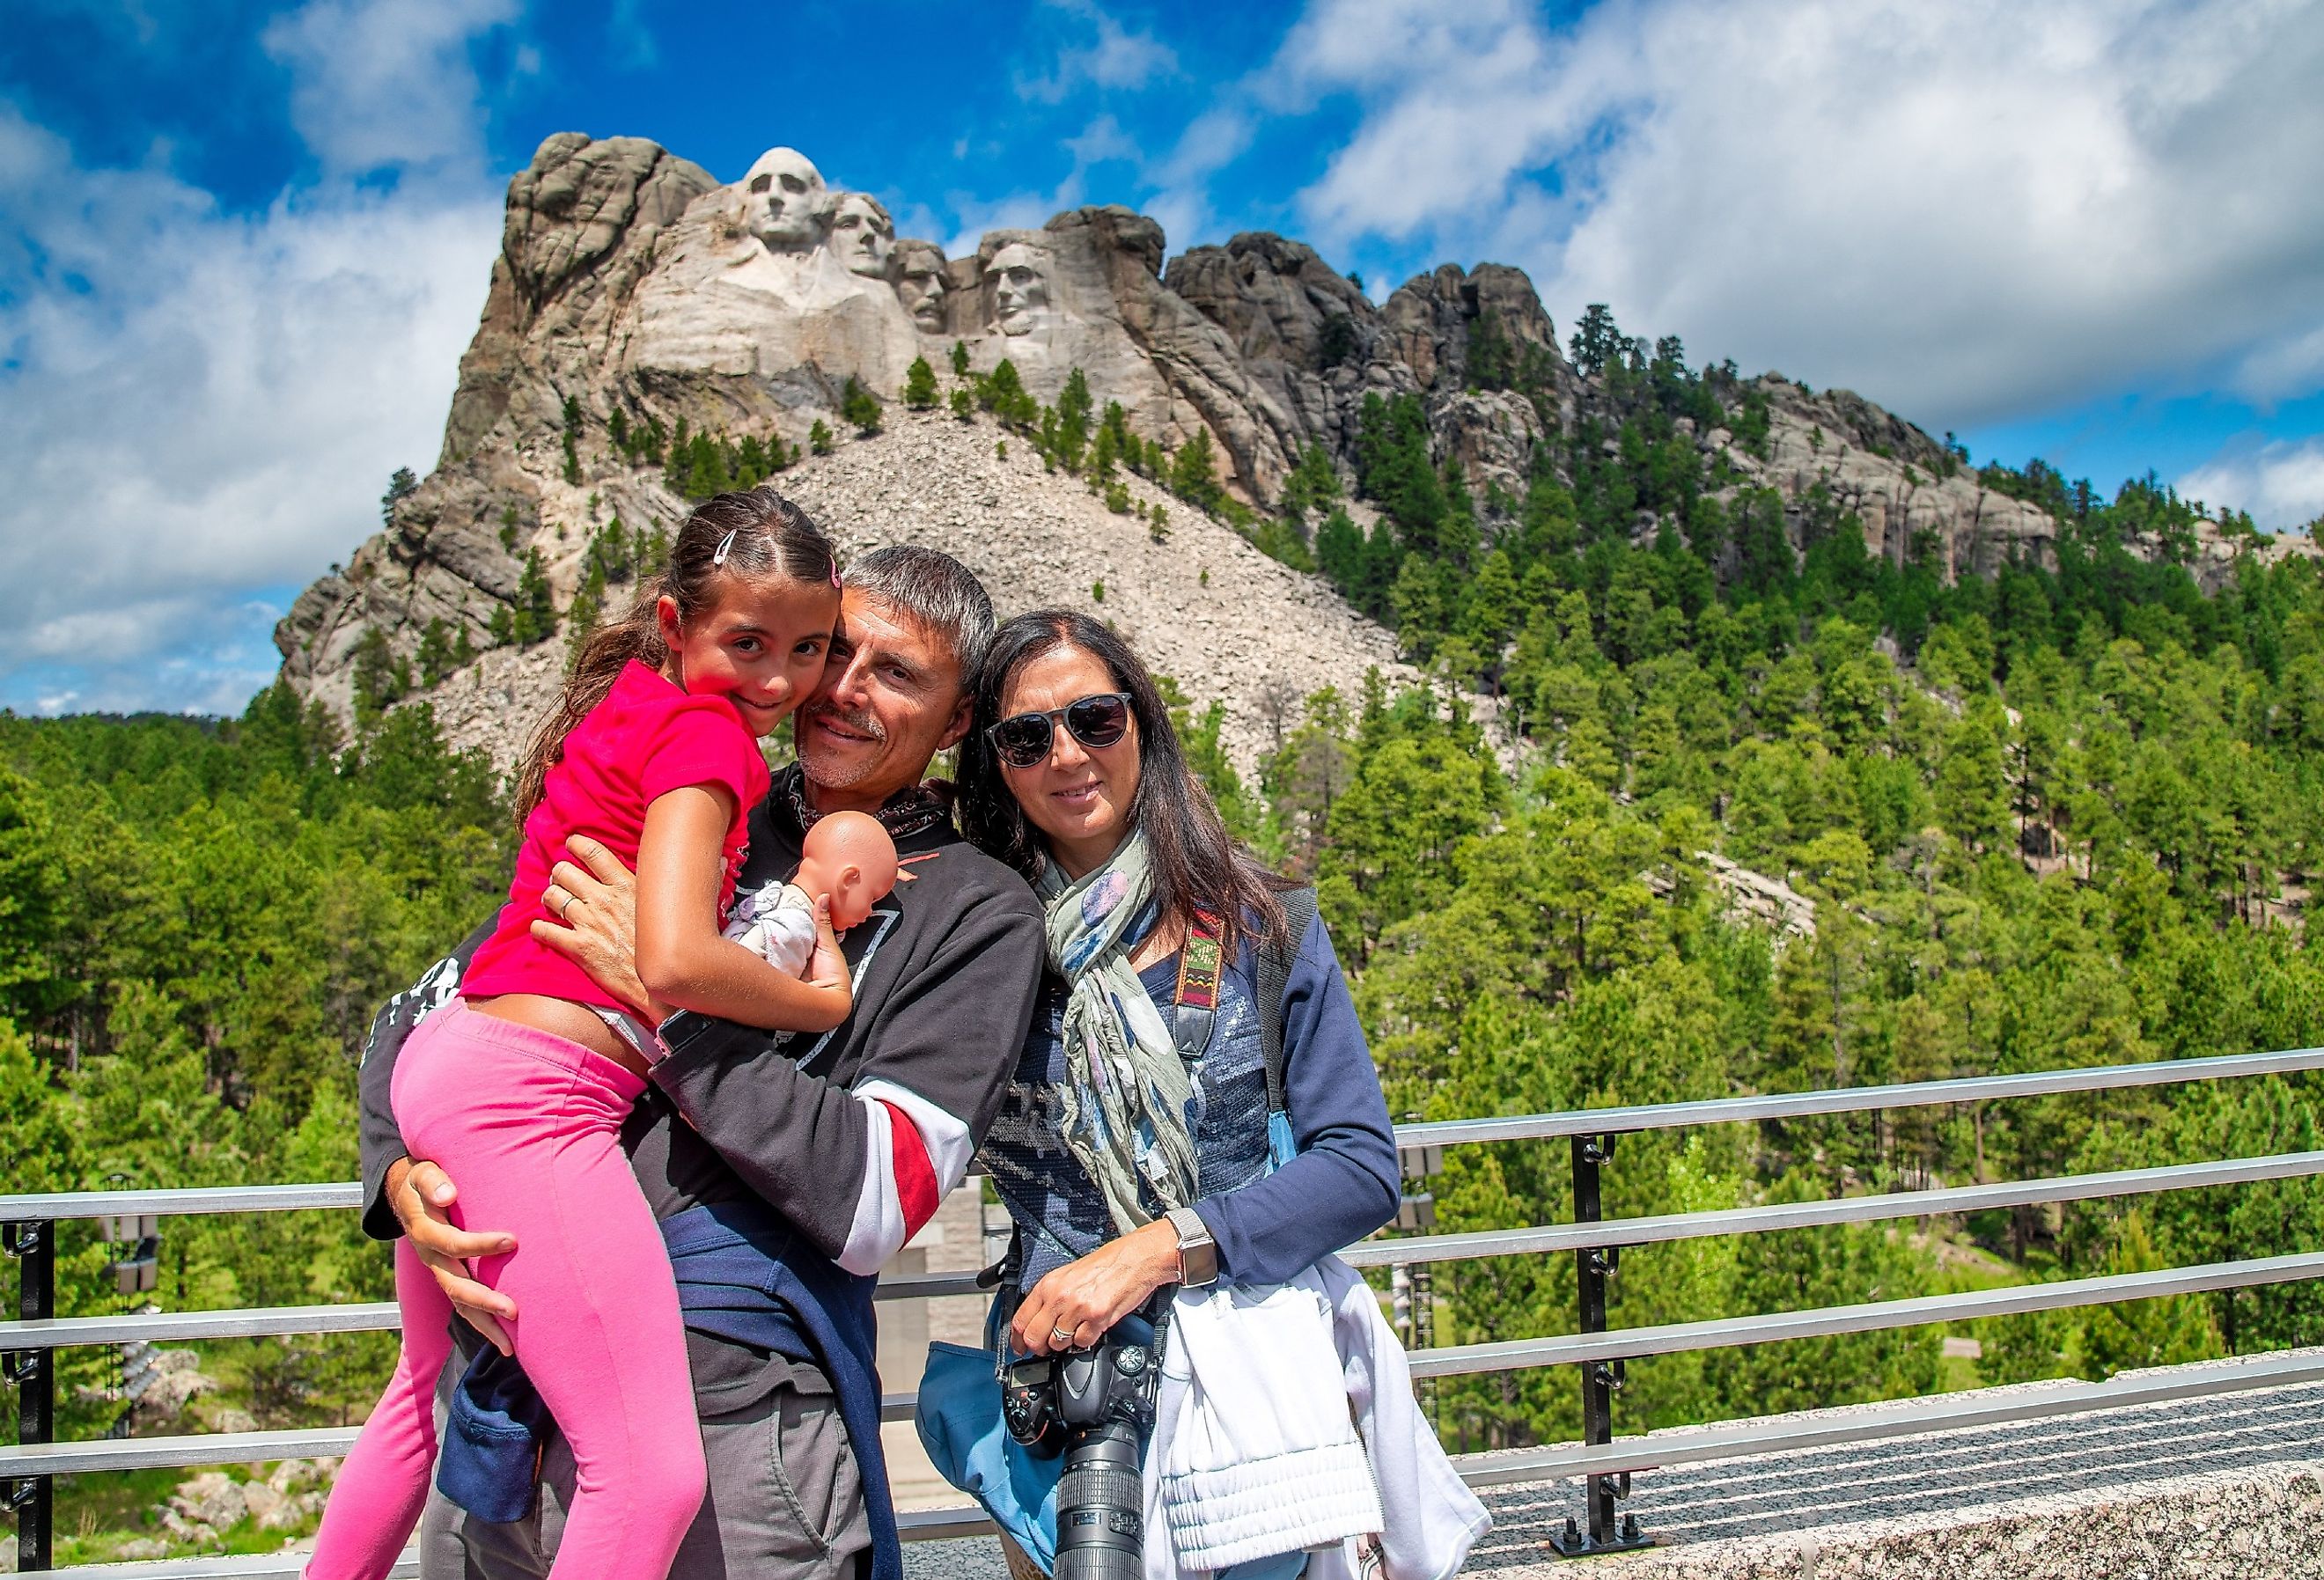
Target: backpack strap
{"x":1274,"y":975}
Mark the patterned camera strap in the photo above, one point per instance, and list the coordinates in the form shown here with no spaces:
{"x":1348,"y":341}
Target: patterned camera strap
{"x":1200,"y":961}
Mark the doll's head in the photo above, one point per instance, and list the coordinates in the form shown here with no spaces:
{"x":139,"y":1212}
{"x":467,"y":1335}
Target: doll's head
{"x":850,"y":857}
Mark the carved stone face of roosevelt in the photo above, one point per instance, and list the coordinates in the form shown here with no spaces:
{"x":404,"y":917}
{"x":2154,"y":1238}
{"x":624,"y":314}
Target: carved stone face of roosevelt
{"x":784,"y":202}
{"x":1020,"y":288}
{"x":920,"y":284}
{"x":862,"y":235}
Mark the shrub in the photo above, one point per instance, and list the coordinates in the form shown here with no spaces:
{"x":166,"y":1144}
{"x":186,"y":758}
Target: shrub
{"x":861,"y":408}
{"x":920,"y":385}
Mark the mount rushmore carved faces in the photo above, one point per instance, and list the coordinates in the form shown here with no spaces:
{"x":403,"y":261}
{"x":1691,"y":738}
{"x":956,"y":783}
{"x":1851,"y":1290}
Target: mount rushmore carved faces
{"x":785,"y":201}
{"x":920,"y":284}
{"x":862,"y":235}
{"x":1020,"y":288}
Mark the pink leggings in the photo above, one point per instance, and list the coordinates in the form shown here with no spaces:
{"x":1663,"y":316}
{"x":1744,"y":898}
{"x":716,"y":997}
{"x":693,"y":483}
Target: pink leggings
{"x":527,"y":1124}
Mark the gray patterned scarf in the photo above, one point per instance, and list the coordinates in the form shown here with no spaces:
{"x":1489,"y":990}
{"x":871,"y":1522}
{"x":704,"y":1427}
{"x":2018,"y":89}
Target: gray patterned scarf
{"x":1125,"y":1093}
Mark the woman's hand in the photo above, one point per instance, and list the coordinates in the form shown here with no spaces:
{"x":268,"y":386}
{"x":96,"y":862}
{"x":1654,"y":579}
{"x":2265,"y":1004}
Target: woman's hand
{"x":1072,"y":1307}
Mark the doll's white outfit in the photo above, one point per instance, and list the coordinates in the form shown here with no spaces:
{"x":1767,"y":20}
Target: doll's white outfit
{"x":775,"y":923}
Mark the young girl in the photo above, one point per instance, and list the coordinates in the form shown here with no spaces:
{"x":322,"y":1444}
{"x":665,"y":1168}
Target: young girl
{"x":520,"y":1086}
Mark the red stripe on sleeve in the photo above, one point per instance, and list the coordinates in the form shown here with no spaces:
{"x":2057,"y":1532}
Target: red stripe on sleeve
{"x":916,"y":1176}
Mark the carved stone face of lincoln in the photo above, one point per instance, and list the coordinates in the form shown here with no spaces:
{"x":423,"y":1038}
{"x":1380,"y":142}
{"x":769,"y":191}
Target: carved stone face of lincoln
{"x":1020,"y":288}
{"x":862,"y":235}
{"x":785,"y":203}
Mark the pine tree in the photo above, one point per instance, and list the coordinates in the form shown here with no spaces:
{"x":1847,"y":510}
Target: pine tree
{"x":860,"y":407}
{"x":581,"y":618}
{"x":920,"y":385}
{"x":818,"y":437}
{"x":1004,"y":395}
{"x":375,"y":686}
{"x":1194,"y":474}
{"x":435,"y":653}
{"x":535,"y":617}
{"x":960,"y":359}
{"x":572,"y":437}
{"x":400,"y":487}
{"x":964,"y":405}
{"x":1490,"y":360}
{"x":1596,"y":342}
{"x":1074,"y":408}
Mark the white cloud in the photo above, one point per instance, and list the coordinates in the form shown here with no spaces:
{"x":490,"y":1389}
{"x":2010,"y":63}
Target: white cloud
{"x":2281,"y":483}
{"x":381,"y":84}
{"x":203,"y":402}
{"x":1113,"y":56}
{"x":1965,"y":211}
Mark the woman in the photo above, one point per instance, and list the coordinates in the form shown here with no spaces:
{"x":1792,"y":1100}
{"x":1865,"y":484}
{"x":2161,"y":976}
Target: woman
{"x":1072,"y":773}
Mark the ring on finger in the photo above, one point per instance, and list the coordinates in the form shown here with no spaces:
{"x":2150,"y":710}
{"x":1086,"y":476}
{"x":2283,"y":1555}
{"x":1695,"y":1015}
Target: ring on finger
{"x":1061,"y":1334}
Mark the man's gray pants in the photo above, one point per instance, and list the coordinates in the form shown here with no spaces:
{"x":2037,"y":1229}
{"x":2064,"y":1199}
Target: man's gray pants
{"x":785,"y":1500}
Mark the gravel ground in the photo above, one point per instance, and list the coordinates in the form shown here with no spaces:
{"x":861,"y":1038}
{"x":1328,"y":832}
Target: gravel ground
{"x":2106,"y":1451}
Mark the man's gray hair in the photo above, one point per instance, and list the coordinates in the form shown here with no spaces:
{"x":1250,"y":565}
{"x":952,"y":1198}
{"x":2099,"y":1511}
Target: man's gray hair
{"x":937,"y":590}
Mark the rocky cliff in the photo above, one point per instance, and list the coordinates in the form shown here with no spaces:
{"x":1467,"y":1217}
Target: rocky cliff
{"x":635,"y":294}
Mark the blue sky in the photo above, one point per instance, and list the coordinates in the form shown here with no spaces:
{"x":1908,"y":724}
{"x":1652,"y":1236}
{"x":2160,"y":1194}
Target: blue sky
{"x":242,"y":244}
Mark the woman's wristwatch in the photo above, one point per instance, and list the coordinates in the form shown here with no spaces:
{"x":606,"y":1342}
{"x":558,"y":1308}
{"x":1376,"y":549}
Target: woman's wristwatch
{"x":1198,"y":1253}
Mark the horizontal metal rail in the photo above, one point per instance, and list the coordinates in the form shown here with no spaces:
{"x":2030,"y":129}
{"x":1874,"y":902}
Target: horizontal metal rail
{"x":280,"y":1199}
{"x":1448,"y":1361}
{"x":276,"y":1321}
{"x":1587,"y":1121}
{"x":1945,"y":1413}
{"x":162,"y":1327}
{"x":1825,"y":1321}
{"x":1847,"y":1209}
{"x":1659,"y":1451}
{"x":191,"y":1199}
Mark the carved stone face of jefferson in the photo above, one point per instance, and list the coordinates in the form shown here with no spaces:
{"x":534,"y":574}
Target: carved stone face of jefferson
{"x":784,"y":202}
{"x":862,"y":235}
{"x":1020,"y":288}
{"x":920,"y":284}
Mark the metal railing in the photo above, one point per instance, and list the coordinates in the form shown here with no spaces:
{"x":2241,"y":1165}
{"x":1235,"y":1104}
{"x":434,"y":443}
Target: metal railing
{"x":27,"y":1471}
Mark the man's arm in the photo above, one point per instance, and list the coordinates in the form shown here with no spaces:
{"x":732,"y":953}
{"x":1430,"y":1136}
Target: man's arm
{"x":858,"y":1170}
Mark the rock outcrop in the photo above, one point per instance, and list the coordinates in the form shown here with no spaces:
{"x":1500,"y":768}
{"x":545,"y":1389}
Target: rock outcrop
{"x":1202,"y":606}
{"x":635,"y":294}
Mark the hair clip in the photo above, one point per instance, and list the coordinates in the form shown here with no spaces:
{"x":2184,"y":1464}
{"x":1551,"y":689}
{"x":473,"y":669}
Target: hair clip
{"x":725,"y":543}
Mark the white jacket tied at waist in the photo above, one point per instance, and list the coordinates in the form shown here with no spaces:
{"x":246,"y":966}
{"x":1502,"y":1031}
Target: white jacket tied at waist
{"x":1286,"y":1421}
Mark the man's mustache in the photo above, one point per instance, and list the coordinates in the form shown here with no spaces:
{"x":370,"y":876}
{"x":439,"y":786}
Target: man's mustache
{"x":863,"y":724}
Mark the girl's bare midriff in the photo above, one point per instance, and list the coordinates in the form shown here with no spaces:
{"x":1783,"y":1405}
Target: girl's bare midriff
{"x":562,"y":1018}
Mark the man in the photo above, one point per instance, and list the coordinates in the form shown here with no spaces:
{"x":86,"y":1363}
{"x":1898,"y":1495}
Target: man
{"x":848,"y":1141}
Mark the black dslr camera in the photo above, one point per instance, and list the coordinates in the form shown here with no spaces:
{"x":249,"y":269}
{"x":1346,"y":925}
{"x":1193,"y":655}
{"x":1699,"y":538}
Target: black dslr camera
{"x":1093,"y":1406}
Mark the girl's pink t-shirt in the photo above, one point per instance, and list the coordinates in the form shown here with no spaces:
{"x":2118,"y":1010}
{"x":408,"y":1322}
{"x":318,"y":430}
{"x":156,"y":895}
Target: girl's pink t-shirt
{"x":645,"y":739}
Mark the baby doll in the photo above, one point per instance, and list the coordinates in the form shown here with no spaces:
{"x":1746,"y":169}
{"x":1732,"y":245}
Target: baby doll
{"x":846,"y":856}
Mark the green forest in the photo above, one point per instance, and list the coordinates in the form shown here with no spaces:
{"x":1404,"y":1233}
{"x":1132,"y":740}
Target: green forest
{"x":2054,"y":818}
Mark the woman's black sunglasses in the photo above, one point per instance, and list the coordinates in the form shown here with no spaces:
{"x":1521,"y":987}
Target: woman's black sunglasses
{"x":1023,"y":740}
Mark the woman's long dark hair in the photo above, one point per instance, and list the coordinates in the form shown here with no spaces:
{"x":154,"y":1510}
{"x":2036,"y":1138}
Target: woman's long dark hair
{"x":763,"y":534}
{"x":1198,"y":866}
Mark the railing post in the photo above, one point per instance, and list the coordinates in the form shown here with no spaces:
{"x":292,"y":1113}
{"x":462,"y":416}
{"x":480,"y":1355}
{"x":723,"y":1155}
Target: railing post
{"x":1416,"y":1211}
{"x":1600,"y":1379}
{"x":32,"y":1243}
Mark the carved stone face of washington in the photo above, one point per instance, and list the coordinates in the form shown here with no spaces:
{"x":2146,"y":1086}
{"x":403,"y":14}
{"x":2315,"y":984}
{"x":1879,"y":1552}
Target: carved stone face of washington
{"x":1020,"y":288}
{"x":920,"y":284}
{"x":862,"y":235}
{"x":785,"y":204}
